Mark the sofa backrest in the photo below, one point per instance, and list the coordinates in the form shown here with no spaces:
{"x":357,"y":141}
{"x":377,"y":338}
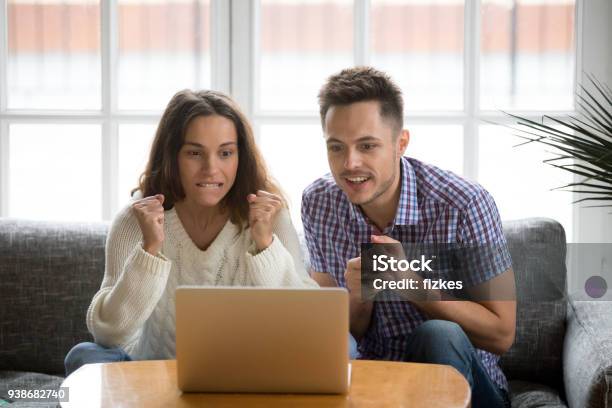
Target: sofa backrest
{"x":538,"y":248}
{"x":49,"y":273}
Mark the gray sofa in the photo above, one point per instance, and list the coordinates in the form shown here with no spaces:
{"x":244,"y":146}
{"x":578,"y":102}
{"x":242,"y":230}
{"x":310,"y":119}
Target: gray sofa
{"x":49,"y":272}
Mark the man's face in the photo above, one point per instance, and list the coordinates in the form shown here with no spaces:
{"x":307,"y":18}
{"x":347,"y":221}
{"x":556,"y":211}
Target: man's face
{"x":363,"y":150}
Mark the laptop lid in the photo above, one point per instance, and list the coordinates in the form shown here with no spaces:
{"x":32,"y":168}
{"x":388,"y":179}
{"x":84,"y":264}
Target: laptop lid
{"x":253,"y":339}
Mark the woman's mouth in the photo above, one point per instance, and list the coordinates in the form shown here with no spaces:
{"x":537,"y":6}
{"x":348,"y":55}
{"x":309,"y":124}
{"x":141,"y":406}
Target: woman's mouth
{"x":210,"y":185}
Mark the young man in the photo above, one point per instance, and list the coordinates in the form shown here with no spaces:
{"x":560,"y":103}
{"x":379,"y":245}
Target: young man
{"x":376,"y":194}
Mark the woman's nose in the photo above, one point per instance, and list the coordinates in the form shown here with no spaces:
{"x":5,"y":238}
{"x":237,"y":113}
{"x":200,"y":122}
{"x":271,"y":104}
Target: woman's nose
{"x":209,"y":165}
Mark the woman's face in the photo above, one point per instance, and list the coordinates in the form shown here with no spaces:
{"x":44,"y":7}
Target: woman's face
{"x":208,"y":160}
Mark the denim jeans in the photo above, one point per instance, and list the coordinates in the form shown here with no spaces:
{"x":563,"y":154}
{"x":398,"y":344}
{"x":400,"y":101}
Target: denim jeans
{"x":88,"y":353}
{"x":445,"y":342}
{"x":353,"y":352}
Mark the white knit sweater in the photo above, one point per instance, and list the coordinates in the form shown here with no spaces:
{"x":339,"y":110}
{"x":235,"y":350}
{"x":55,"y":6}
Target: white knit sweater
{"x":134,"y":308}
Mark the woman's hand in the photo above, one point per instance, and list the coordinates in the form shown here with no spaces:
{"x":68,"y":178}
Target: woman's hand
{"x":150,"y":215}
{"x":263,"y":208}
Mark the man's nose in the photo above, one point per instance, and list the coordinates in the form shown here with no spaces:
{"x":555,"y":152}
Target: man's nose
{"x":353,"y":160}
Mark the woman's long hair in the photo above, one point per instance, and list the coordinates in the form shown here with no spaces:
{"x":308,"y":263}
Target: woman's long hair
{"x":162,"y":174}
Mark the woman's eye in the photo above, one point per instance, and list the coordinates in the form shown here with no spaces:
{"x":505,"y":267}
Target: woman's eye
{"x":226,"y":153}
{"x":194,"y":153}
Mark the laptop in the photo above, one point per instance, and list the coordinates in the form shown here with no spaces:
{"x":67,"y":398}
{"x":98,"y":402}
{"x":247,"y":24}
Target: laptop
{"x":262,"y":340}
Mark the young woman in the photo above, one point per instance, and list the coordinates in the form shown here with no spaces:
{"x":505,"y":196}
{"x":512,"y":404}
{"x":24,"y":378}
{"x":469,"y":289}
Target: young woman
{"x":207,"y":214}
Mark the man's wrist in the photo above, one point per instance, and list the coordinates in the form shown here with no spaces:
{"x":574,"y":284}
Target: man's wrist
{"x":354,"y":292}
{"x":356,"y":299}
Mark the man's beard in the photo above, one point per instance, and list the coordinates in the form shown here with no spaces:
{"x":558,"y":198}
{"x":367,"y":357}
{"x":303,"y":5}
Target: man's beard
{"x":386,"y":185}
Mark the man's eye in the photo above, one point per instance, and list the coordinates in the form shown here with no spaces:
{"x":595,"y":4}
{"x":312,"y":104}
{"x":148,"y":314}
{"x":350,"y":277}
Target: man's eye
{"x":334,"y":148}
{"x":367,"y":146}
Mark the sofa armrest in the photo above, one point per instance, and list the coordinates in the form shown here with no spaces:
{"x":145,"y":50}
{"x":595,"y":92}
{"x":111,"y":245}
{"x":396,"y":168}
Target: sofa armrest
{"x":587,"y":354}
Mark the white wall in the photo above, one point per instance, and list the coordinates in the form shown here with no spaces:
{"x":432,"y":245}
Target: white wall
{"x":595,"y":224}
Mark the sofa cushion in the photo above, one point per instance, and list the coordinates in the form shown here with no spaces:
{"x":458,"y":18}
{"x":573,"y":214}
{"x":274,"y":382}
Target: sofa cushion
{"x":49,"y":274}
{"x":18,"y":380}
{"x":587,"y":354}
{"x":525,"y":394}
{"x":537,"y":247}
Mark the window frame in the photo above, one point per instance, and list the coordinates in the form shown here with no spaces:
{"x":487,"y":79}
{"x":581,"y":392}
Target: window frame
{"x":234,"y":33}
{"x":470,"y":117}
{"x":109,"y":117}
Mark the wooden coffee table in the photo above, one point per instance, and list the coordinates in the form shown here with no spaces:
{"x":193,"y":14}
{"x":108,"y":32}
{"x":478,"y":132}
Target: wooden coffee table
{"x":373,"y":384}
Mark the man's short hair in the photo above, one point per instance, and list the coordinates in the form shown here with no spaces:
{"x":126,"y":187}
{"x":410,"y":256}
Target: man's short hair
{"x":360,"y":84}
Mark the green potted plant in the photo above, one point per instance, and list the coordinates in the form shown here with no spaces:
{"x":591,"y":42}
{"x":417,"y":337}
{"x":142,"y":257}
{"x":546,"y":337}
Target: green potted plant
{"x":582,"y":144}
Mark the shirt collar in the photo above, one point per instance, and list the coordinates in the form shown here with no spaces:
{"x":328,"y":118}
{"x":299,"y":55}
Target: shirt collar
{"x":407,"y":208}
{"x":407,"y":212}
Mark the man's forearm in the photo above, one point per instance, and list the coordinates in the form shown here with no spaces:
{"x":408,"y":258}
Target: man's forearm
{"x":490,"y":325}
{"x":360,"y":315}
{"x":485,"y":328}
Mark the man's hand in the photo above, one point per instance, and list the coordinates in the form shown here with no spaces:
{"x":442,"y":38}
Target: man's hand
{"x":263,"y":208}
{"x":352,"y":277}
{"x":360,"y":310}
{"x":150,"y":215}
{"x":397,"y":250}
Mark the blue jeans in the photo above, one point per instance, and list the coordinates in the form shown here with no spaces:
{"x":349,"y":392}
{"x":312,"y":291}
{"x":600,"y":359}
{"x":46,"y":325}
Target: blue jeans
{"x":88,"y":353}
{"x":353,"y":352}
{"x":445,"y":342}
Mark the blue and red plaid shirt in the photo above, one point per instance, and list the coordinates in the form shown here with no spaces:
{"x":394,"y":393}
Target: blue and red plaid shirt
{"x":435,"y":206}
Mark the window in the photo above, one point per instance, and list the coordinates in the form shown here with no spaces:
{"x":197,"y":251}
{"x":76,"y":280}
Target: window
{"x":87,"y":80}
{"x":457,"y":62}
{"x":54,"y":55}
{"x":83,"y":82}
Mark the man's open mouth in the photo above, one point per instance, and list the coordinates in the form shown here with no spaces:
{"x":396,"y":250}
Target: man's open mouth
{"x":357,"y":180}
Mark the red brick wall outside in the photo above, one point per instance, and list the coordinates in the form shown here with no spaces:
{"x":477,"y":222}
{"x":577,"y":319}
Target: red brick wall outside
{"x":289,"y":28}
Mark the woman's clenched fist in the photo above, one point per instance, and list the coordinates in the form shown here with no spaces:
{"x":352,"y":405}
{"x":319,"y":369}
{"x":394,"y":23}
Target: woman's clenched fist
{"x":150,"y":215}
{"x":263,"y":208}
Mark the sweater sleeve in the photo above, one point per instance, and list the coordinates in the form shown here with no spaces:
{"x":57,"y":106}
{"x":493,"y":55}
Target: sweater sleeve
{"x":281,"y":264}
{"x":133,"y":283}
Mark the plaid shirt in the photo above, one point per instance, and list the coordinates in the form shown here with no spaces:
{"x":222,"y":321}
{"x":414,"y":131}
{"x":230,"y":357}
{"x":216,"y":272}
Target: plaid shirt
{"x":435,"y":206}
